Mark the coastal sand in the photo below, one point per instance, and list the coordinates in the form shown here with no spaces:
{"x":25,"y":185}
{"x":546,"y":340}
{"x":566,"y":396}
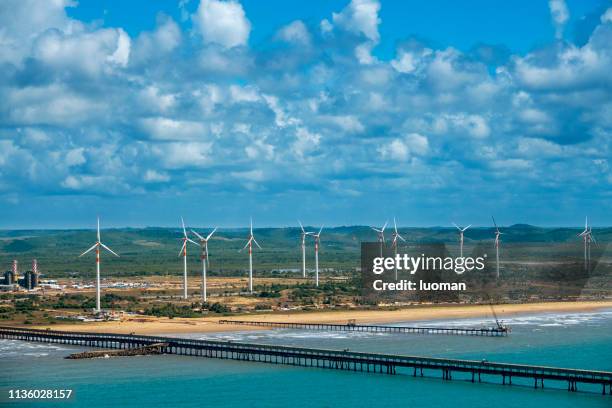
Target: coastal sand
{"x":152,"y":325}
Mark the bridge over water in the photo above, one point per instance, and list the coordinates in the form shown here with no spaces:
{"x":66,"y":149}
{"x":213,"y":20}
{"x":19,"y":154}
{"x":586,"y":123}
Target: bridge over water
{"x":458,"y":331}
{"x":322,"y":358}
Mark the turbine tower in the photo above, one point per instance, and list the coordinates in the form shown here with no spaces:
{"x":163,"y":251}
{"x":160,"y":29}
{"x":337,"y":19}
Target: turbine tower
{"x":394,"y":243}
{"x":588,"y":238}
{"x":97,"y":247}
{"x":461,"y":231}
{"x":183,"y":253}
{"x":497,"y":241}
{"x":317,"y":241}
{"x":250,"y":245}
{"x":205,"y":259}
{"x":304,"y":234}
{"x":381,"y":236}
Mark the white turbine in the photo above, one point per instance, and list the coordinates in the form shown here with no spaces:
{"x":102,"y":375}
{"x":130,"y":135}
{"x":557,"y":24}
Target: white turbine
{"x":497,"y":241}
{"x":205,"y":259}
{"x":394,"y":243}
{"x":304,"y":234}
{"x":380,"y":233}
{"x":183,"y":253}
{"x":317,"y":241}
{"x":250,"y":245}
{"x":461,"y":231}
{"x":588,"y":238}
{"x":97,"y":247}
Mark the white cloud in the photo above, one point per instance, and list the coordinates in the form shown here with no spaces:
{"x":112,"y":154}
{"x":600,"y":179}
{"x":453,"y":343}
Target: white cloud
{"x":408,"y":62}
{"x":52,"y":104}
{"x":259,"y":149}
{"x":305,"y":142}
{"x":348,"y":123}
{"x":401,"y":149}
{"x":85,"y":52}
{"x":244,"y":93}
{"x":75,"y":157}
{"x":164,"y":39}
{"x":222,"y":22}
{"x":294,"y":33}
{"x":154,"y":176}
{"x":153,"y":98}
{"x":161,"y":128}
{"x":281,"y":118}
{"x":560,"y":15}
{"x":183,"y":154}
{"x":21,"y":21}
{"x":360,"y":17}
{"x":473,"y":125}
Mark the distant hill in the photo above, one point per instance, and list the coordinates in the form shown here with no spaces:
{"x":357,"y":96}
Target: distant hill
{"x":154,"y":250}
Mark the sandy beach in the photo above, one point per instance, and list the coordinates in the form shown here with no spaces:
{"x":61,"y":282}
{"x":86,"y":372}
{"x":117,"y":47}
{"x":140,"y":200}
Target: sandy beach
{"x":153,"y":325}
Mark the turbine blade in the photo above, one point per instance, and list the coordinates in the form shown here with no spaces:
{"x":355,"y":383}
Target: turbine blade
{"x":247,"y":244}
{"x":494,"y":223}
{"x":109,"y":250}
{"x":385,"y":226}
{"x":467,"y":227}
{"x":98,"y":229}
{"x":251,"y":225}
{"x":400,"y":237}
{"x":182,"y":248}
{"x":193,"y":242}
{"x":198,"y":235}
{"x":211,"y":234}
{"x":256,"y":243}
{"x":394,"y":225}
{"x":93,"y":246}
{"x":301,"y":226}
{"x":320,"y":231}
{"x":183,"y":224}
{"x":459,"y":228}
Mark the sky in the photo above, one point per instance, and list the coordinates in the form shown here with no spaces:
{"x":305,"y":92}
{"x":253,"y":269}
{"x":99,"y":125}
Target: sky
{"x":332,"y":112}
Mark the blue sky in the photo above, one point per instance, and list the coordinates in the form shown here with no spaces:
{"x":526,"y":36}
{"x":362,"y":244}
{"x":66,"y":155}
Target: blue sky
{"x":335,"y":112}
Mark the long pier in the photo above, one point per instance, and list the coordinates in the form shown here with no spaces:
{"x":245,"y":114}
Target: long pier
{"x":322,"y":358}
{"x":457,"y":331}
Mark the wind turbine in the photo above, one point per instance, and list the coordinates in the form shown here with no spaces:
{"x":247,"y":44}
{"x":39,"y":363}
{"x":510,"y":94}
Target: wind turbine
{"x":97,"y":247}
{"x":461,"y":231}
{"x":396,"y":236}
{"x":183,"y":253}
{"x":381,"y":236}
{"x":304,"y":234}
{"x":587,"y":237}
{"x":497,"y":241}
{"x":317,"y":240}
{"x":250,"y":245}
{"x":204,"y":257}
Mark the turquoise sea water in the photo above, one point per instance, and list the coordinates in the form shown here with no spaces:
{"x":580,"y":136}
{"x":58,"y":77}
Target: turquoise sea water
{"x":578,"y":340}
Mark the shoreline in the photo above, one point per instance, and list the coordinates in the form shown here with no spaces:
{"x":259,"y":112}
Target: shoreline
{"x":155,"y":325}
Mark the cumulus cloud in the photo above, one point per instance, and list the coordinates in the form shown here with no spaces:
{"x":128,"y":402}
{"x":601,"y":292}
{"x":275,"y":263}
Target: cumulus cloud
{"x":163,"y":40}
{"x":560,"y":15}
{"x":294,"y":33}
{"x":360,"y":17}
{"x":89,"y":110}
{"x":88,"y":52}
{"x":401,"y":149}
{"x":161,"y":128}
{"x":222,"y":22}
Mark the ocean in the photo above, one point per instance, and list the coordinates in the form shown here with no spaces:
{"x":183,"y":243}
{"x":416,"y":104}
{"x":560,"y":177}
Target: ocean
{"x":576,"y":340}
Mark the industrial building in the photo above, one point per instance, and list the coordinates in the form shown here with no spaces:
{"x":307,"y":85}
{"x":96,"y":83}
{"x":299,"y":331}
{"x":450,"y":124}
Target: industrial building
{"x":12,"y":281}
